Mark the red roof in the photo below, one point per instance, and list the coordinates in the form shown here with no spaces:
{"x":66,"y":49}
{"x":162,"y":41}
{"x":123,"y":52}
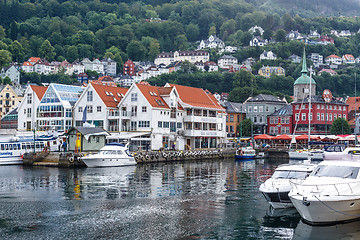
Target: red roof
{"x":152,"y":95}
{"x":34,"y":59}
{"x":351,"y":102}
{"x":39,"y":90}
{"x":27,"y":64}
{"x":108,"y":94}
{"x":197,"y":97}
{"x":333,"y":56}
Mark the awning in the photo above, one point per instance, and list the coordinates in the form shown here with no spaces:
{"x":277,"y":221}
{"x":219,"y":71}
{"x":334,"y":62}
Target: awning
{"x":263,"y":137}
{"x":126,"y":135}
{"x":282,"y":137}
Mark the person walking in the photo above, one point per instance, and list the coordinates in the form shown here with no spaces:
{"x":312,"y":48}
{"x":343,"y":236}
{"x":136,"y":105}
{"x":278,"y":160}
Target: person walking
{"x":64,"y":146}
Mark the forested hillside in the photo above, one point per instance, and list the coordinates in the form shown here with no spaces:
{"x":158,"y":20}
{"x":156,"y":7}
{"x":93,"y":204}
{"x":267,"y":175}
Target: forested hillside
{"x":140,"y":30}
{"x":309,"y":8}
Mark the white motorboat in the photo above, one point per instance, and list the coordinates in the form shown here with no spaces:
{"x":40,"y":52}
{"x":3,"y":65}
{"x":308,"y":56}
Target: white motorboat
{"x":245,"y":153}
{"x":277,"y":188}
{"x":344,"y":154}
{"x":111,"y":155}
{"x":330,"y":194}
{"x":312,"y":154}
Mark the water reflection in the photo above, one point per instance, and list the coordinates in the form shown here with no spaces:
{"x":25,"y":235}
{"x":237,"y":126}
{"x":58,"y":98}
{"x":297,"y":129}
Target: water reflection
{"x":202,"y":199}
{"x":340,"y":231}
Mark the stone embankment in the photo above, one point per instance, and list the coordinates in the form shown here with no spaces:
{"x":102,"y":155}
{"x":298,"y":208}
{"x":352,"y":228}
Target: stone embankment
{"x":69,"y":159}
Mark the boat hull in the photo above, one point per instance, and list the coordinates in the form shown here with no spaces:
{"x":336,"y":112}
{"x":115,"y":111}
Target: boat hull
{"x":326,"y":211}
{"x":11,"y":160}
{"x":108,"y":162}
{"x":305,"y":155}
{"x":278,"y":199}
{"x":244,"y":157}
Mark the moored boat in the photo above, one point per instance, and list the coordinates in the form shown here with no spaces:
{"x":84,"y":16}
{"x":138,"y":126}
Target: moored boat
{"x":14,"y":145}
{"x":245,"y":153}
{"x":277,"y":188}
{"x":111,"y":155}
{"x":331,"y":194}
{"x":344,"y":154}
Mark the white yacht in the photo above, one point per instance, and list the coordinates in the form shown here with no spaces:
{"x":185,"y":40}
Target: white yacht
{"x":111,"y":155}
{"x":277,"y":188}
{"x":312,"y":154}
{"x":330,"y":194}
{"x":344,"y":154}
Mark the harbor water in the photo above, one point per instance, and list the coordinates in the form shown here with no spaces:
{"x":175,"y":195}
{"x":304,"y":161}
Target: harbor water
{"x":216,"y":199}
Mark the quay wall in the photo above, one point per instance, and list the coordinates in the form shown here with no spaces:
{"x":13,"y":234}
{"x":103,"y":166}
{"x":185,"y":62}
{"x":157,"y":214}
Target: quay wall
{"x":69,"y":159}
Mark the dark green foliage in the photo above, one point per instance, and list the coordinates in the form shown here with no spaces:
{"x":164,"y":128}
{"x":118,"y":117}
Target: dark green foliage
{"x":245,"y":128}
{"x":340,"y":126}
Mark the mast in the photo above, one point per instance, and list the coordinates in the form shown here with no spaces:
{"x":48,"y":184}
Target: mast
{"x":309,"y":108}
{"x":356,"y":140}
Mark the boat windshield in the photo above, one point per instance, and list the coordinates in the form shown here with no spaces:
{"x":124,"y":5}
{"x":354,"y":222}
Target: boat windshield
{"x":110,"y":152}
{"x":290,"y":174}
{"x":336,"y":171}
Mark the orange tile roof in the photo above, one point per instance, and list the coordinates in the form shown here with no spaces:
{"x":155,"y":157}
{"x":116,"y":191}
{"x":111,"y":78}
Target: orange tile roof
{"x":39,"y":90}
{"x":351,"y":102}
{"x":27,"y":64}
{"x":333,"y":56}
{"x":197,"y":97}
{"x":165,"y":90}
{"x":34,"y":59}
{"x":108,"y":94}
{"x":154,"y":99}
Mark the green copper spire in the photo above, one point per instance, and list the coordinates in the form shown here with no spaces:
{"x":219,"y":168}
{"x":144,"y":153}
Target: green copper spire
{"x":304,"y":67}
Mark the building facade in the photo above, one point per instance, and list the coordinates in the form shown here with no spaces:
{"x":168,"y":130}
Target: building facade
{"x":28,"y":107}
{"x":259,"y":107}
{"x":55,"y":111}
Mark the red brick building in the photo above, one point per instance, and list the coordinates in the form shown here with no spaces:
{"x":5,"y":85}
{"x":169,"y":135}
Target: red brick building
{"x":129,"y":68}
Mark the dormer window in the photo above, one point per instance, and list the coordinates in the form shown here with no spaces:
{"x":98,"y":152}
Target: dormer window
{"x":107,"y":94}
{"x":115,"y":100}
{"x":154,"y":94}
{"x":151,"y":93}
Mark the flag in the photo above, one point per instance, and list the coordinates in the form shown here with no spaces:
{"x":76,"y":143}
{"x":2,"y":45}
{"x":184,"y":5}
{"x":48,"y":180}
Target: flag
{"x":84,"y":115}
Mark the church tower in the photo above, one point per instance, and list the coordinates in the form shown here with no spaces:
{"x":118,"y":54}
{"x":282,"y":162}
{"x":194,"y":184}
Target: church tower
{"x":302,"y":84}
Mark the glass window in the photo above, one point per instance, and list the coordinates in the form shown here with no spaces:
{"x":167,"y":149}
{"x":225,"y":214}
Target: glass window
{"x":133,"y":97}
{"x":159,"y":124}
{"x":80,"y":109}
{"x":98,"y":108}
{"x":89,"y":96}
{"x":144,"y":109}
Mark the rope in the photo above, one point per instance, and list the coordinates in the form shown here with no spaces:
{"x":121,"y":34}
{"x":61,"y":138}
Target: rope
{"x":335,"y":209}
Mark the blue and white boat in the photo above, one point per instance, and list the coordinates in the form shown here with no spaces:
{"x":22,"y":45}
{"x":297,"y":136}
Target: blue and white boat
{"x":245,"y":153}
{"x":14,"y":145}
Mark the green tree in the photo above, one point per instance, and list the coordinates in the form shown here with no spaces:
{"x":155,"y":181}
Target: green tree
{"x":212,"y":31}
{"x":340,"y":126}
{"x":245,"y":127}
{"x":72,"y":53}
{"x":239,"y":94}
{"x":17,"y":51}
{"x":181,"y":42}
{"x":192,"y":32}
{"x":136,"y":50}
{"x":280,"y":35}
{"x":5,"y":58}
{"x":6,"y":80}
{"x":243,"y":79}
{"x":154,"y":50}
{"x":2,"y":32}
{"x":47,"y":51}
